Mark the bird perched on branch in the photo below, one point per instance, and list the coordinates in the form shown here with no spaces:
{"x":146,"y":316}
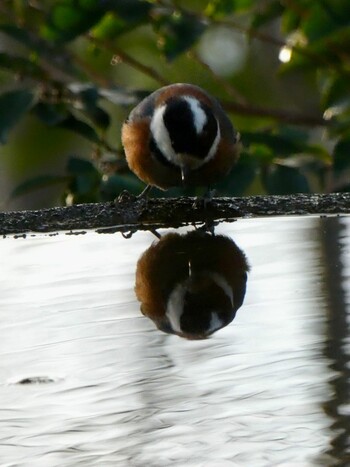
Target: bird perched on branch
{"x":191,"y":285}
{"x":179,"y":136}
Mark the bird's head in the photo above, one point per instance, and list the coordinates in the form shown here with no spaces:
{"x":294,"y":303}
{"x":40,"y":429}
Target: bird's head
{"x":184,"y":132}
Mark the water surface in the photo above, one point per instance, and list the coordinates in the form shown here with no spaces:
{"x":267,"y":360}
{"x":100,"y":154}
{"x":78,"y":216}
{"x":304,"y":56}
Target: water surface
{"x":86,"y":380}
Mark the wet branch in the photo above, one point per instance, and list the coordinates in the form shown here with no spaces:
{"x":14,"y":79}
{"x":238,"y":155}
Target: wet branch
{"x":131,"y":214}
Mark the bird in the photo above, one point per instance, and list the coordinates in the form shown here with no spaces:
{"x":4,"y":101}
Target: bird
{"x":192,"y":284}
{"x":179,"y":136}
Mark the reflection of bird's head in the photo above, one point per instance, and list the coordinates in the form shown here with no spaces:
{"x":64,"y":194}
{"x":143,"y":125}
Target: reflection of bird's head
{"x":179,"y":135}
{"x":191,"y":285}
{"x":200,"y":305}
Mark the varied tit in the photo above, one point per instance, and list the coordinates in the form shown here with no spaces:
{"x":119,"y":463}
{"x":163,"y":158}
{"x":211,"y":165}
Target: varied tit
{"x":179,"y":135}
{"x":191,"y":285}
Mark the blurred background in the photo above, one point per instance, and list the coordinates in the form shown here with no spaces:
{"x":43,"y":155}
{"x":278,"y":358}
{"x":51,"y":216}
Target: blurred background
{"x":71,"y":70}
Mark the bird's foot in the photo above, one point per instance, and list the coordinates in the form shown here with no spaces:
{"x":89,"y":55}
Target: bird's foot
{"x":124,"y":196}
{"x":202,"y":202}
{"x":145,"y":192}
{"x":208,"y":227}
{"x":156,"y":233}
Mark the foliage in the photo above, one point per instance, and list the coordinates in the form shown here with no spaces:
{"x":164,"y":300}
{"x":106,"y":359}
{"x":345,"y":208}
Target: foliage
{"x":79,"y":66}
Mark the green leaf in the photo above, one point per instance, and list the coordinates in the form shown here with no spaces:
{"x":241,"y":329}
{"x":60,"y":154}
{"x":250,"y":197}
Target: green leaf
{"x":77,"y":126}
{"x":132,"y":11}
{"x":109,"y":27}
{"x":13,"y":106}
{"x":177,"y":33}
{"x":336,"y":93}
{"x":219,"y":8}
{"x":341,"y":155}
{"x":319,"y":153}
{"x":300,"y":62}
{"x":323,"y":50}
{"x":50,"y":114}
{"x":88,"y":96}
{"x":86,"y":91}
{"x":340,"y":119}
{"x":70,"y":18}
{"x":282,"y":180}
{"x":76,"y":166}
{"x":271,"y":11}
{"x":98,"y":116}
{"x":290,"y":21}
{"x":85,"y":183}
{"x":26,"y":38}
{"x":41,"y":181}
{"x":333,"y":48}
{"x":241,"y":176}
{"x":319,"y":22}
{"x":114,"y":184}
{"x":281,"y":145}
{"x":22,"y":66}
{"x":261,"y":153}
{"x":86,"y":178}
{"x":123,"y":16}
{"x":20,"y":35}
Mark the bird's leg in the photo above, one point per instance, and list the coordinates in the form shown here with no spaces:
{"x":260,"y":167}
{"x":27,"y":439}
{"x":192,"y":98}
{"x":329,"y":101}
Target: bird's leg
{"x":145,"y":192}
{"x":129,"y":234}
{"x":156,"y":233}
{"x":208,"y":195}
{"x":208,"y":227}
{"x":202,"y":202}
{"x":126,"y":196}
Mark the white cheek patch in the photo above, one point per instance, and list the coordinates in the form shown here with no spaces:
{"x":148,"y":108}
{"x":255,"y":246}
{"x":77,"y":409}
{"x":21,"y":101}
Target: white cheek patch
{"x":161,"y":135}
{"x":214,"y":146}
{"x":199,"y":116}
{"x":200,"y":119}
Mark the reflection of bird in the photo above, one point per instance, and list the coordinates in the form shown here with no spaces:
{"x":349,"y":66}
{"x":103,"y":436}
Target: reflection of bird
{"x":179,"y":135}
{"x":191,"y":285}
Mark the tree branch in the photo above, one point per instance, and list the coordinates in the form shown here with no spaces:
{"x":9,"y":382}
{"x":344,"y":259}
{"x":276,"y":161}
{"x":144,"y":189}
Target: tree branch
{"x":132,"y":214}
{"x":282,"y":115}
{"x":120,"y":56}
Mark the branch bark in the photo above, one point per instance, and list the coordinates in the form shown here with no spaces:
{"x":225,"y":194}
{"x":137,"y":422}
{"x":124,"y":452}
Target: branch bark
{"x":132,"y":214}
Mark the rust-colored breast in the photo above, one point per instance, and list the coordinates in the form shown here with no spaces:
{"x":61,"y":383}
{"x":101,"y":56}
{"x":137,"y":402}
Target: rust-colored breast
{"x":136,"y":142}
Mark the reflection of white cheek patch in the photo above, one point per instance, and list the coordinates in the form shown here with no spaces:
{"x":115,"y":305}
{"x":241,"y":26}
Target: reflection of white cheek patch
{"x":175,"y":307}
{"x":199,"y":116}
{"x":215,"y":322}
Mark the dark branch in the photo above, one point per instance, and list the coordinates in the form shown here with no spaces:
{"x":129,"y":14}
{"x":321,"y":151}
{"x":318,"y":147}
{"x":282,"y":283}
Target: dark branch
{"x":282,"y":115}
{"x":131,"y":214}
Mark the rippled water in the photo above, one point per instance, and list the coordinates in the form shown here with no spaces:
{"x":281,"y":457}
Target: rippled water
{"x":86,"y":380}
